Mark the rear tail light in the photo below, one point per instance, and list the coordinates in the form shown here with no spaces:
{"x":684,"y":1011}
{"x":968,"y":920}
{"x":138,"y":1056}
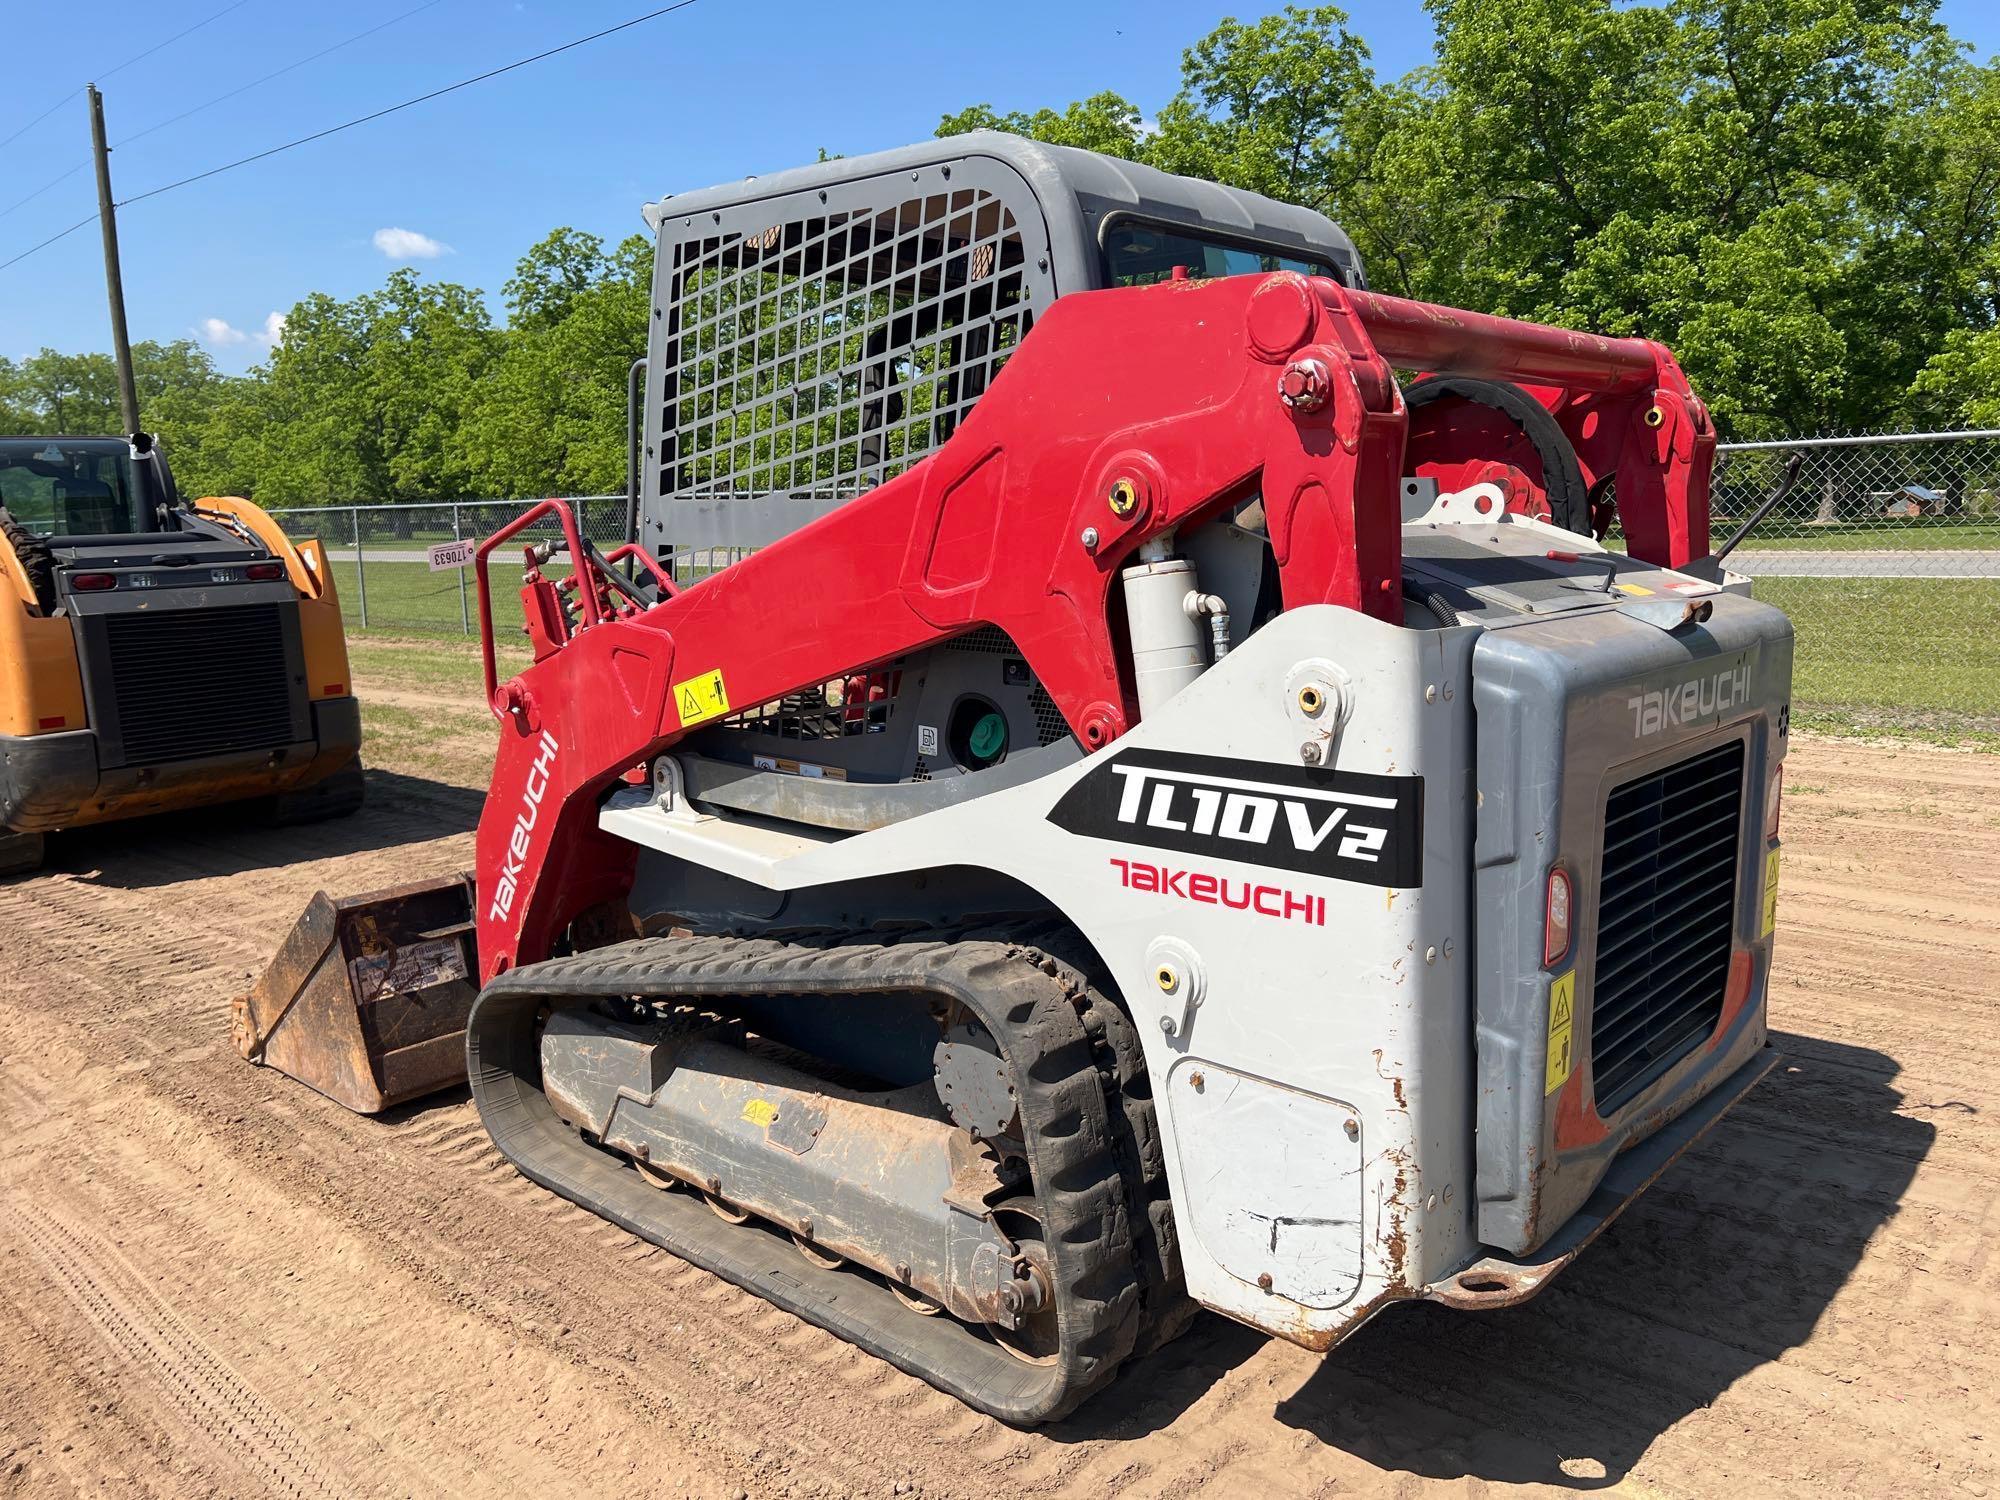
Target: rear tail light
{"x":1777,"y":803}
{"x":264,"y":572}
{"x":91,"y":583}
{"x":1555,"y":929}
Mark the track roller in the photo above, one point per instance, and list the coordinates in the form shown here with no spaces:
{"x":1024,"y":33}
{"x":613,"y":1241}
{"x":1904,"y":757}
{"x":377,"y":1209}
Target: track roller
{"x":1030,"y":1225}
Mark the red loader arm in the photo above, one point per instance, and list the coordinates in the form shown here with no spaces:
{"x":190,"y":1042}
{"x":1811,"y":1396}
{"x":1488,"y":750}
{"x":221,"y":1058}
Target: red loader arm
{"x":1127,"y":414}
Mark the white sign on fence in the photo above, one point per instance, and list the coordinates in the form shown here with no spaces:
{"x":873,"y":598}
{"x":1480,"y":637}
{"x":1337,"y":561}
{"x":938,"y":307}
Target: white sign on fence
{"x":448,"y":555}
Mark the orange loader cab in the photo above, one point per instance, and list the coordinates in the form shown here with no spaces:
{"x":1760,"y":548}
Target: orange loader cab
{"x":157,"y":654}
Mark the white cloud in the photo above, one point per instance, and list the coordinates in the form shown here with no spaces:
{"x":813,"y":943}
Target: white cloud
{"x":219,"y":333}
{"x":407,"y":244}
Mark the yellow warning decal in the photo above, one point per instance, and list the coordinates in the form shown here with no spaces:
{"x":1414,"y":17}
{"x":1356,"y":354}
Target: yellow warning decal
{"x":760,"y":1111}
{"x":699,"y":698}
{"x":1637,"y":590}
{"x":1562,"y":1031}
{"x":1770,"y":893}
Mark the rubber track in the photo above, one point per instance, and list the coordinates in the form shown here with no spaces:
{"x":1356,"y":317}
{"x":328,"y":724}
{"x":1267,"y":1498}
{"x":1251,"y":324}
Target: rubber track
{"x":1166,"y":1309}
{"x":1034,"y":1006}
{"x":338,"y":794}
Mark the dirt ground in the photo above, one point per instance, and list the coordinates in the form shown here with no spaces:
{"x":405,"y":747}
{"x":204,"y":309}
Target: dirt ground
{"x":214,"y":1282}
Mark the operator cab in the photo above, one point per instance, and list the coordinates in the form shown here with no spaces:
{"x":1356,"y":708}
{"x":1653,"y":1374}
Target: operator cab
{"x":822,"y":329}
{"x":101,"y":516}
{"x":82,"y":486}
{"x":825,"y":327}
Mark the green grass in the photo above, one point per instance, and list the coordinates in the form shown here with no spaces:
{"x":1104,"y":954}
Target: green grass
{"x":1912,"y":656}
{"x":1920,"y":534}
{"x":408,"y":597}
{"x":417,"y":663}
{"x":1909,"y":657}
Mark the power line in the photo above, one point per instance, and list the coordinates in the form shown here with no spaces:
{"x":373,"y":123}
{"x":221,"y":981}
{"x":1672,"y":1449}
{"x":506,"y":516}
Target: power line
{"x":121,"y":67}
{"x":41,"y":117}
{"x":158,"y":46}
{"x":59,"y":234}
{"x":280,"y":73}
{"x":450,"y":88}
{"x":64,"y":176}
{"x":319,"y":135}
{"x":60,"y":177}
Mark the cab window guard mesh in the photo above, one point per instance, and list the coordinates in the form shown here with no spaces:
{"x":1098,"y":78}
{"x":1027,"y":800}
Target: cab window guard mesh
{"x":820,"y":356}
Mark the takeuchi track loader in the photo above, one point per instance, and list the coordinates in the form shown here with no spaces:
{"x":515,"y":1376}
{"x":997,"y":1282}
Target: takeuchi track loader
{"x":1084,"y":796}
{"x":156,"y":653}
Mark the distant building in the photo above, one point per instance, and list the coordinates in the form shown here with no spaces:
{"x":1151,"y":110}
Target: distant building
{"x":1908,"y":500}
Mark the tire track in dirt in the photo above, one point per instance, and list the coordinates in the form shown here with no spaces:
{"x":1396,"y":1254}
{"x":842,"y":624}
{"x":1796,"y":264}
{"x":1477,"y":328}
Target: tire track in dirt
{"x":1799,"y":1304}
{"x":211,"y":1399}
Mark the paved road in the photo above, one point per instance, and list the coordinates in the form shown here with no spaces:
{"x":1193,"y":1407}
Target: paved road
{"x":1816,"y":562}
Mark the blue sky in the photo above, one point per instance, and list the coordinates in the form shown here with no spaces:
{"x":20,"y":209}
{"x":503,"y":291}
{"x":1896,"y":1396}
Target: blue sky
{"x":461,"y":186}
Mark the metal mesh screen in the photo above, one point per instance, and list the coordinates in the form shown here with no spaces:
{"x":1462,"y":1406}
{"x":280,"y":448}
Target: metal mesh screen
{"x":1667,"y":891}
{"x":987,"y":640}
{"x":820,"y":356}
{"x":859,"y":703}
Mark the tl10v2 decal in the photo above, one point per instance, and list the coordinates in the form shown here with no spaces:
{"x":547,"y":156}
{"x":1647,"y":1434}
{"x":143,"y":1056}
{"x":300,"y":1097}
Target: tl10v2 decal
{"x":1344,"y":825}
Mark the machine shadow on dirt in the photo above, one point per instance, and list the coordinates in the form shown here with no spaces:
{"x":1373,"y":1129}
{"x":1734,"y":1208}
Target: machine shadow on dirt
{"x":155,"y":850}
{"x":1729,"y":1262}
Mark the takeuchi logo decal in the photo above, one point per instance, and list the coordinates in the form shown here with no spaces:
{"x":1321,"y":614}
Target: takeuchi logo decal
{"x":1344,"y":825}
{"x":1691,"y":702}
{"x":516,"y":857}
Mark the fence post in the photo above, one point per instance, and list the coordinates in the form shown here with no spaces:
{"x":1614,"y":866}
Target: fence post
{"x":464,"y":605}
{"x":360,"y":570}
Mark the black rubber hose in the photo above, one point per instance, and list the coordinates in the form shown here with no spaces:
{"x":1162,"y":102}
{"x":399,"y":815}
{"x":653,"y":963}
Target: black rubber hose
{"x":1425,"y":597}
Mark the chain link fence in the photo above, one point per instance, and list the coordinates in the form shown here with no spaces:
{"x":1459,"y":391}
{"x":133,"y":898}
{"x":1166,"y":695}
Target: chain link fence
{"x":1885,"y":552}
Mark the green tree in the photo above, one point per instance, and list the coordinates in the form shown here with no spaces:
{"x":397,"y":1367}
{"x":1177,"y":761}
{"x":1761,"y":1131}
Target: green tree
{"x":16,"y":416}
{"x":1797,"y":195}
{"x":1105,"y":122}
{"x":1266,"y":105}
{"x":73,"y":394}
{"x":1960,"y":384}
{"x":549,"y":418}
{"x":77,"y":394}
{"x":363,"y":400}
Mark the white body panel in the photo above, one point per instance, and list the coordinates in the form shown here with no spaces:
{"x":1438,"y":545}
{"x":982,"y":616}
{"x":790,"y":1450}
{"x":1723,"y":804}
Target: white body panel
{"x":1321,"y":999}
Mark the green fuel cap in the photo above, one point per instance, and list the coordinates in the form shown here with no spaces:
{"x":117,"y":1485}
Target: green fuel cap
{"x":988,"y":741}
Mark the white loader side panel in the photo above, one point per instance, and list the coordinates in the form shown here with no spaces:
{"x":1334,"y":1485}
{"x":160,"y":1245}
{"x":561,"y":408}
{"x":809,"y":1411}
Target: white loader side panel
{"x":1299,"y":1215}
{"x":1274,"y":865}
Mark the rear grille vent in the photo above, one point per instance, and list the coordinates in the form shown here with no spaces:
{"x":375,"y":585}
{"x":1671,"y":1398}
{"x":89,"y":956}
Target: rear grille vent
{"x":198,"y":682}
{"x":988,"y":640}
{"x":1050,"y":725}
{"x":1664,"y":919}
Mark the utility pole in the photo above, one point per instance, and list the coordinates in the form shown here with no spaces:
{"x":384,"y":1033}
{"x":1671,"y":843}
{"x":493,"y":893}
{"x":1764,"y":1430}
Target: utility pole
{"x":114,"y":283}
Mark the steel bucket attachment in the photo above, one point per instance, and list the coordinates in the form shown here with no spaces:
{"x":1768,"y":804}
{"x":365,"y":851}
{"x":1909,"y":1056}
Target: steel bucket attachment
{"x":366,"y":999}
